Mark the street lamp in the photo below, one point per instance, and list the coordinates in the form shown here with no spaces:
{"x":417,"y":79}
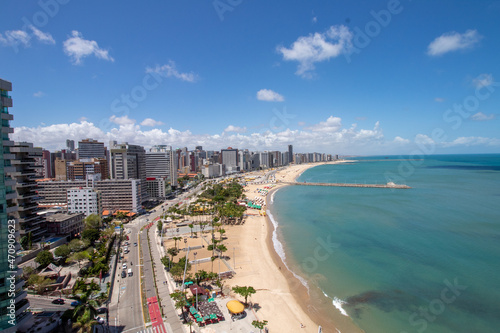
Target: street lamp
{"x":234,"y":260}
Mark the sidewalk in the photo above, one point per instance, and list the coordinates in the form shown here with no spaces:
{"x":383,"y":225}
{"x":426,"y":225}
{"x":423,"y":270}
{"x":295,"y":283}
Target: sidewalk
{"x":170,"y":314}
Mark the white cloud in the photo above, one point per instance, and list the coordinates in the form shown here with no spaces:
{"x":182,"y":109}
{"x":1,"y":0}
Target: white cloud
{"x":124,"y":120}
{"x":38,"y":94}
{"x":170,"y":70}
{"x":336,"y":139}
{"x":482,"y":117}
{"x":269,"y":96}
{"x":348,"y":139}
{"x":472,"y":141}
{"x":43,"y":37}
{"x":151,"y":122}
{"x":401,"y":140}
{"x":439,"y":99}
{"x":453,"y":41}
{"x":235,"y":129}
{"x":332,"y":124}
{"x":15,"y":37}
{"x":423,"y":139}
{"x":318,"y":47}
{"x":78,"y":48}
{"x":483,"y":80}
{"x":314,"y":19}
{"x":23,"y":37}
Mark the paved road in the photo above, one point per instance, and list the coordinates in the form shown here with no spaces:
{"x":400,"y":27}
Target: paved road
{"x":46,"y":304}
{"x":125,"y":311}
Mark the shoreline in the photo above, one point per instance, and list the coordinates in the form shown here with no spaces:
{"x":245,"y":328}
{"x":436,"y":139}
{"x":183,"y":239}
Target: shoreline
{"x":282,"y":298}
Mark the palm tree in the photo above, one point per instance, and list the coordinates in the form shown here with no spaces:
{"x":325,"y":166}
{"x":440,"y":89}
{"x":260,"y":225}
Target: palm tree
{"x":85,"y":312}
{"x":191,"y":226}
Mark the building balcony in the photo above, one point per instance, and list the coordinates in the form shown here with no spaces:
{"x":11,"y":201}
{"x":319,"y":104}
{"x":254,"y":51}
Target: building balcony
{"x":7,"y":130}
{"x":6,"y":101}
{"x":11,"y":209}
{"x":22,"y":306}
{"x":26,"y":183}
{"x":27,"y":195}
{"x":20,"y":296}
{"x":28,"y":206}
{"x":6,"y":116}
{"x":9,"y":156}
{"x":11,"y":195}
{"x":9,"y":169}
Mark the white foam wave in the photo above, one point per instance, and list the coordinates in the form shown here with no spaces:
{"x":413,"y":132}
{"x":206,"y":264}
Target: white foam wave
{"x":272,"y":196}
{"x":278,"y":247}
{"x":337,"y":302}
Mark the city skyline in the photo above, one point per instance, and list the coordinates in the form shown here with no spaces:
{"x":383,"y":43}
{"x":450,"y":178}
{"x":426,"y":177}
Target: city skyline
{"x":341,"y":78}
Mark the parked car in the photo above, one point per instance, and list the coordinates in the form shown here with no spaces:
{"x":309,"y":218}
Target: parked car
{"x":124,"y":274}
{"x":102,"y":310}
{"x":135,"y":244}
{"x":124,"y":266}
{"x":75,"y":303}
{"x":58,"y":301}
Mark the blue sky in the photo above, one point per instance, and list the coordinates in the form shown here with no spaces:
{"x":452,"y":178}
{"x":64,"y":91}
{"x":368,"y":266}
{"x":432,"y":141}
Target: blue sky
{"x":342,"y":77}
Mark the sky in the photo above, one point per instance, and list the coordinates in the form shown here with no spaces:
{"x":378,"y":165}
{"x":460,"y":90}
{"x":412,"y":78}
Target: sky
{"x":339,"y":77}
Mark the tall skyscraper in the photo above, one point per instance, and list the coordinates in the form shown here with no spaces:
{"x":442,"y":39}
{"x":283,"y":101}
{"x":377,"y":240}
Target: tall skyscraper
{"x":161,"y":162}
{"x":12,"y":308}
{"x":128,"y":162}
{"x":290,"y":154}
{"x":230,"y":159}
{"x":31,"y":224}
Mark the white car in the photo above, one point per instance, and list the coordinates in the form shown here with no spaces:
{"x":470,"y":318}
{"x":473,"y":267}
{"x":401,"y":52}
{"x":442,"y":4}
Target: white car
{"x":124,"y":266}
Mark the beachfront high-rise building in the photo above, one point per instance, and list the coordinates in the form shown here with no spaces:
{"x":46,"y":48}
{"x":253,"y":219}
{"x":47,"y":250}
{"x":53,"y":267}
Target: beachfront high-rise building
{"x":230,"y":159}
{"x":128,"y":162}
{"x":88,"y":148}
{"x":290,"y":154}
{"x":161,"y":162}
{"x":31,"y":224}
{"x":12,"y":308}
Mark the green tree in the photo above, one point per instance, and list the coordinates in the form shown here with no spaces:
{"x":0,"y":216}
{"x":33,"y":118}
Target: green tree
{"x":173,"y":251}
{"x":77,"y":245}
{"x":191,"y":226}
{"x":44,"y":258}
{"x":165,"y":261}
{"x":177,"y":271}
{"x":259,"y":324}
{"x":93,"y":221}
{"x":244,"y":292}
{"x":160,"y":226}
{"x":24,"y":242}
{"x":63,"y":251}
{"x":180,"y":300}
{"x":175,"y":240}
{"x":85,"y":312}
{"x":78,"y":256}
{"x":92,"y":235}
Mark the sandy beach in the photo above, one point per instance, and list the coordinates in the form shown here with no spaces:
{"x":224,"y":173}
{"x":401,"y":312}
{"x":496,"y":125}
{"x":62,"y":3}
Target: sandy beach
{"x":280,"y":297}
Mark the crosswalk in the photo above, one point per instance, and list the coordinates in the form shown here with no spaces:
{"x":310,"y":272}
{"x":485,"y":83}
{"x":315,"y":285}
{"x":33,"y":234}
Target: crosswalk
{"x":156,"y":329}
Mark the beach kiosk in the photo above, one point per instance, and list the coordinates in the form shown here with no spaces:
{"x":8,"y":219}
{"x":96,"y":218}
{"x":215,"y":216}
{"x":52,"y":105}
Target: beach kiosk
{"x":236,"y":309}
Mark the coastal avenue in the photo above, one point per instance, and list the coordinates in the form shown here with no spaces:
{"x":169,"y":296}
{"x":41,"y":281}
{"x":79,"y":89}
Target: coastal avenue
{"x":125,"y":309}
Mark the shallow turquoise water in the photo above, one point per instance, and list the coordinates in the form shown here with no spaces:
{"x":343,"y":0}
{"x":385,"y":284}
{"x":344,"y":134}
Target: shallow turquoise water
{"x":419,"y":260}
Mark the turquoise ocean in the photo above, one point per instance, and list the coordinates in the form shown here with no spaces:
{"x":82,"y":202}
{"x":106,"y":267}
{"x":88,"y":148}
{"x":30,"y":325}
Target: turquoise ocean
{"x":425,"y":259}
